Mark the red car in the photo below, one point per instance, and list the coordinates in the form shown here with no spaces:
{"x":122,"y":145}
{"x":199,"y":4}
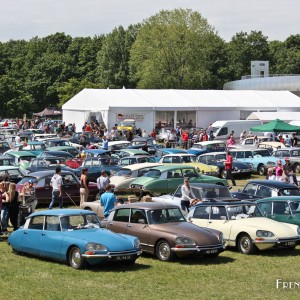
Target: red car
{"x":70,"y":188}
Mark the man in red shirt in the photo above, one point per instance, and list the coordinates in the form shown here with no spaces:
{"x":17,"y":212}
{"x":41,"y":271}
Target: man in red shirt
{"x":228,"y":167}
{"x":185,"y":139}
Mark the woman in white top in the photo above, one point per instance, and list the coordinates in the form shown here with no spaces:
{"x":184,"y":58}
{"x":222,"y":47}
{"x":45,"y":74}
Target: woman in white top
{"x":187,"y":196}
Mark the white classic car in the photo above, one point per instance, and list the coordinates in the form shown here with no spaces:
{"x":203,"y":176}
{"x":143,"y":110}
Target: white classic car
{"x":244,"y":226}
{"x":127,"y":174}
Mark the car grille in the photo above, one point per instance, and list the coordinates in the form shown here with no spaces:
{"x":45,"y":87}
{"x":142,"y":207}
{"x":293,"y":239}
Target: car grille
{"x":136,"y":186}
{"x":209,"y":247}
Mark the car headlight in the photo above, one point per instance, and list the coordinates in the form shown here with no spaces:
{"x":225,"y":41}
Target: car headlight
{"x":137,"y":243}
{"x":184,"y":241}
{"x":95,"y":247}
{"x":298,"y":230}
{"x":217,"y":170}
{"x":221,"y":238}
{"x":264,"y":233}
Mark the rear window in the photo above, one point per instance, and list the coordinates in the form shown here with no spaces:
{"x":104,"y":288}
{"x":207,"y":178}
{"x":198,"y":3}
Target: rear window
{"x":124,"y":172}
{"x":290,"y":192}
{"x":153,"y":173}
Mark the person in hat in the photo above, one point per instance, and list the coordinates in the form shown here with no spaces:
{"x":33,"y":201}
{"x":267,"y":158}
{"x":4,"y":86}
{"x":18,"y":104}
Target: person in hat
{"x":279,"y":170}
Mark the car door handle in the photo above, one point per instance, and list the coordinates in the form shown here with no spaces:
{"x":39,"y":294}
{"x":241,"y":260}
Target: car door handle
{"x":209,"y":222}
{"x":43,"y":233}
{"x":25,"y":232}
{"x":129,"y":225}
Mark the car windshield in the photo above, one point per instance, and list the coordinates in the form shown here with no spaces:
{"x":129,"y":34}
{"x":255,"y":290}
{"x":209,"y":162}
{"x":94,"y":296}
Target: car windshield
{"x":213,"y":193}
{"x":220,"y":157}
{"x":26,"y":179}
{"x":188,"y":159}
{"x":196,"y":146}
{"x":28,"y":158}
{"x":124,"y":172}
{"x":169,"y":215}
{"x":79,"y":222}
{"x":153,"y":173}
{"x":238,"y":212}
{"x":262,"y":153}
{"x":295,"y":207}
{"x":289,"y":192}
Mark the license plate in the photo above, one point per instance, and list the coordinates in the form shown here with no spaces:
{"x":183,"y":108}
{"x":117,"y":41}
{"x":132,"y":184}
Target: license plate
{"x":211,"y":251}
{"x":124,"y":257}
{"x":290,"y":243}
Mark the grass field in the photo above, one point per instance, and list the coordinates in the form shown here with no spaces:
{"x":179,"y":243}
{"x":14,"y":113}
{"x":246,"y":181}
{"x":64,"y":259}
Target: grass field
{"x":230,"y":276}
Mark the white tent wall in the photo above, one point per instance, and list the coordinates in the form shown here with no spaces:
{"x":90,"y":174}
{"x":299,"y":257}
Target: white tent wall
{"x":77,"y":117}
{"x":206,"y":117}
{"x":201,"y":106}
{"x":147,"y":116}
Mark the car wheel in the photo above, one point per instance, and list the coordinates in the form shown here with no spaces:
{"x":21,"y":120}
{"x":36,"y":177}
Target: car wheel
{"x":245,"y":244}
{"x":163,"y":251}
{"x":223,"y":174}
{"x":261,"y":170}
{"x":296,"y":168}
{"x":76,"y":261}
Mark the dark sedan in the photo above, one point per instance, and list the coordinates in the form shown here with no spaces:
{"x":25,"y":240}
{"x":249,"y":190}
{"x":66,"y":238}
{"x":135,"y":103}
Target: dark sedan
{"x":90,"y":138}
{"x":164,"y":231}
{"x":239,"y":169}
{"x":257,"y":189}
{"x":70,"y":188}
{"x":96,"y":165}
{"x":138,"y":143}
{"x":12,"y":172}
{"x":48,"y":163}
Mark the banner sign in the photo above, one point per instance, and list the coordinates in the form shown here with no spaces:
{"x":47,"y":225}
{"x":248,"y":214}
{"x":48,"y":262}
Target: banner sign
{"x":133,"y":117}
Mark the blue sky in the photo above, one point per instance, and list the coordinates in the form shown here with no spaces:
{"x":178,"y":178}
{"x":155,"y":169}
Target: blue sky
{"x":24,"y":19}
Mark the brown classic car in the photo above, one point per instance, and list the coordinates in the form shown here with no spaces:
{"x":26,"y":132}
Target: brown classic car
{"x":164,"y":231}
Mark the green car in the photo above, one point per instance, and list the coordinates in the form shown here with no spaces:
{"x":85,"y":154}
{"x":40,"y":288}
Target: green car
{"x":35,"y":147}
{"x":282,"y":209}
{"x":165,"y":179}
{"x":21,"y":158}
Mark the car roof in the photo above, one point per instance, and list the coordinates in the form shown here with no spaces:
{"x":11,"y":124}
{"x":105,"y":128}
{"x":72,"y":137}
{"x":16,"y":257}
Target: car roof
{"x":41,"y":174}
{"x":63,"y":153}
{"x":141,"y":166}
{"x":142,"y":139}
{"x":273,"y":183}
{"x":180,"y":154}
{"x":95,"y":151}
{"x":280,"y":198}
{"x":208,"y":185}
{"x":21,"y":153}
{"x":133,"y":151}
{"x":229,"y":203}
{"x":288,"y":148}
{"x":3,"y":168}
{"x":146,"y":205}
{"x":212,"y":153}
{"x":167,"y":167}
{"x":209,"y":142}
{"x":172,"y":150}
{"x":62,"y":212}
{"x":113,"y":143}
{"x":248,"y":149}
{"x":60,"y":148}
{"x":137,"y":156}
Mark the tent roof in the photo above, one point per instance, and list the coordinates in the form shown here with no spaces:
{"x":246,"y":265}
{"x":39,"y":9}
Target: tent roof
{"x":49,"y":111}
{"x":105,"y":99}
{"x":269,"y":116}
{"x":276,"y":126}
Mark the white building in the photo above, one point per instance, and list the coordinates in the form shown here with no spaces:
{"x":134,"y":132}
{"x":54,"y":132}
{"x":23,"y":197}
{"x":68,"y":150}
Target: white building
{"x":168,"y":108}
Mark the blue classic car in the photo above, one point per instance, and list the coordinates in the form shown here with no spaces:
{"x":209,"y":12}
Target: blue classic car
{"x":206,"y":147}
{"x":259,"y":158}
{"x":74,"y":236}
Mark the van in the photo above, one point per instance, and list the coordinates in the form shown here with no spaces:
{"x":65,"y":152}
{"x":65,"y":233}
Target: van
{"x":222,"y":129}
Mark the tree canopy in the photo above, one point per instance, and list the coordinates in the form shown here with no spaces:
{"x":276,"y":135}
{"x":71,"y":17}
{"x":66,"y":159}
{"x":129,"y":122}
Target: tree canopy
{"x":175,"y":49}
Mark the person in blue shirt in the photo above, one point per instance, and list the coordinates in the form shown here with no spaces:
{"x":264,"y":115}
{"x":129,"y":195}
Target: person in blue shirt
{"x":108,"y":200}
{"x":104,"y":143}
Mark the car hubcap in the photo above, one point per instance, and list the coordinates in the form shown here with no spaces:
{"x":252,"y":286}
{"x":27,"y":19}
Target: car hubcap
{"x":245,"y":243}
{"x":76,"y":258}
{"x":164,"y":251}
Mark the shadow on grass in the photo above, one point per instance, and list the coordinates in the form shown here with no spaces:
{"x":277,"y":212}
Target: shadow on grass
{"x":279,"y":252}
{"x":196,"y":260}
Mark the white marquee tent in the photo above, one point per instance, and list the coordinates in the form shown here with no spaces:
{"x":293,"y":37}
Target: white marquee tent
{"x":148,"y":107}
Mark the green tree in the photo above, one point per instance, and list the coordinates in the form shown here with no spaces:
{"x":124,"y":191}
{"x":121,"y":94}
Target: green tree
{"x":70,"y":88}
{"x":173,"y":49}
{"x":244,"y":48}
{"x":113,"y":58}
